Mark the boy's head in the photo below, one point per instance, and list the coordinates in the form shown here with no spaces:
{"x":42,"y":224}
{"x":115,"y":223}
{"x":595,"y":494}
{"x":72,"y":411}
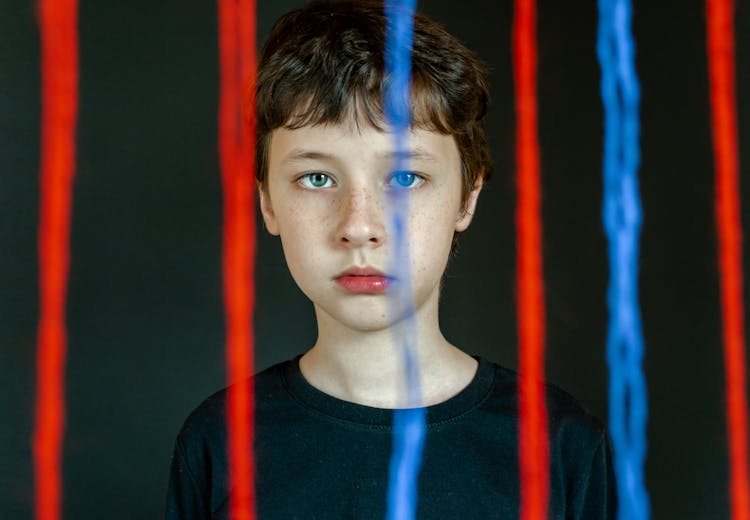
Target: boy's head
{"x":324,"y":63}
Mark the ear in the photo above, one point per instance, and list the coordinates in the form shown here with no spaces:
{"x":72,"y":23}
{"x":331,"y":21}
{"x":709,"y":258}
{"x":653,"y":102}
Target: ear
{"x":467,"y":212}
{"x":269,"y":217}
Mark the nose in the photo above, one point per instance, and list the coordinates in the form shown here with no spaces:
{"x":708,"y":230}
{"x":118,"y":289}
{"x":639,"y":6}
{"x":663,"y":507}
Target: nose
{"x":361,"y":219}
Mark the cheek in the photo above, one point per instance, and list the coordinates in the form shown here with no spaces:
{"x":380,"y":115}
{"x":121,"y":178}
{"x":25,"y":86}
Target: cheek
{"x":301,"y":234}
{"x":304,"y":267}
{"x":432,"y":235}
{"x":296,"y":241}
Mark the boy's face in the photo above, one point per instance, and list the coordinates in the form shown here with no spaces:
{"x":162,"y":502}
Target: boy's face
{"x":327,"y":196}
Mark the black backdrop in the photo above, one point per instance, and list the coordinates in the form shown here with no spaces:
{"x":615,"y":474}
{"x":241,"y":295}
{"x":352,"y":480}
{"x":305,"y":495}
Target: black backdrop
{"x":145,"y":312}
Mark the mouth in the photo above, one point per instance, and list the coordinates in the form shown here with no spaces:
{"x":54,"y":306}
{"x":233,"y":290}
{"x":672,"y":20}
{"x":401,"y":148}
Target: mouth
{"x":364,"y":280}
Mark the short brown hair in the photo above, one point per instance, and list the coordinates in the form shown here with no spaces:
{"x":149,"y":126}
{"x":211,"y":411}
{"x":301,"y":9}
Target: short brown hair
{"x":325,"y":62}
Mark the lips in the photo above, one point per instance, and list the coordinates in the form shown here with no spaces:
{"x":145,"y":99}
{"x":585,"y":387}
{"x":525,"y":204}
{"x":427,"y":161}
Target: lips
{"x":363,"y":280}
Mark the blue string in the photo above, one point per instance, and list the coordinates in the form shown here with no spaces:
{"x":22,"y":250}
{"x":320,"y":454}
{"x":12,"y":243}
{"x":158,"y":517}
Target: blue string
{"x":408,"y":423}
{"x":622,"y":215}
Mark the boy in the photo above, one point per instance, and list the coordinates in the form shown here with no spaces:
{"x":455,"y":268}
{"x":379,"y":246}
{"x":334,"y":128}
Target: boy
{"x":323,"y":420}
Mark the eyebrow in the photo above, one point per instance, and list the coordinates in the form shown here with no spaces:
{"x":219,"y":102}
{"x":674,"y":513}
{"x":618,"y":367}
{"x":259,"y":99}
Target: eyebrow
{"x":297,"y":154}
{"x":416,"y":153}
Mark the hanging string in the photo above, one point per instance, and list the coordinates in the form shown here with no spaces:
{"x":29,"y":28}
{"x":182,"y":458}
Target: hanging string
{"x":720,"y":32}
{"x":622,"y":217}
{"x":236,"y":153}
{"x":58,"y":27}
{"x":408,"y":423}
{"x":533,"y":447}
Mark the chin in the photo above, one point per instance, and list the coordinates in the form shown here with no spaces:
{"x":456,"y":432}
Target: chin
{"x":360,"y":318}
{"x":372,"y":322}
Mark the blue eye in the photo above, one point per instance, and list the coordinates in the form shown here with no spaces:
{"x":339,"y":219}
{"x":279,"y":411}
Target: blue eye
{"x":405,"y":179}
{"x":315,"y":180}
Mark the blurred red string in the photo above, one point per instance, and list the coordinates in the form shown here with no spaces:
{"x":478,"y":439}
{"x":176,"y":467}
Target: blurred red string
{"x":59,"y":70}
{"x":236,"y":151}
{"x":720,"y":33}
{"x":532,"y":435}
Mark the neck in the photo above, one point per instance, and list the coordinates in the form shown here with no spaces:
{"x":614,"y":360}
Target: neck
{"x":367,"y":367}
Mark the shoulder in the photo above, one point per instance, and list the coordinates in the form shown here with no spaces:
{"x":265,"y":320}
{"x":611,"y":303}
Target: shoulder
{"x":198,"y":478}
{"x":208,"y":419}
{"x":210,"y":413}
{"x":580,"y":451}
{"x":566,"y":417}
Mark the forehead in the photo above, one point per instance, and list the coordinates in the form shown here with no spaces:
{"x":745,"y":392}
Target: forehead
{"x":360,"y":143}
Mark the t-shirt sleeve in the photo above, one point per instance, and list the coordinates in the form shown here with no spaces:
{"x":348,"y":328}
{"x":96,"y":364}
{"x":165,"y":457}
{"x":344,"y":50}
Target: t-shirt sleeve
{"x":186,"y":498}
{"x":597,"y":497}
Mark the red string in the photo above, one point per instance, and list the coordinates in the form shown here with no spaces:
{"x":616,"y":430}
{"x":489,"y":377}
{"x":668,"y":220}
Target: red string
{"x":720,"y":32}
{"x":532,"y":435}
{"x":236,"y":151}
{"x":59,"y":63}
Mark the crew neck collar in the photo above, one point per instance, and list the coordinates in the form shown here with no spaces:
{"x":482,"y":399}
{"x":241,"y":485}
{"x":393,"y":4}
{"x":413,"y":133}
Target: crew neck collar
{"x":310,"y":397}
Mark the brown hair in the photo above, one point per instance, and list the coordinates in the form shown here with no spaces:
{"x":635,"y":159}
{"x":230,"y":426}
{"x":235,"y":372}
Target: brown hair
{"x":325,"y":62}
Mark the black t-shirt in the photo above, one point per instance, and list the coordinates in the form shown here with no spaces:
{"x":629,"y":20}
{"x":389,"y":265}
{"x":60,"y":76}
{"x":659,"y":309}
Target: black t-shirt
{"x":321,"y":457}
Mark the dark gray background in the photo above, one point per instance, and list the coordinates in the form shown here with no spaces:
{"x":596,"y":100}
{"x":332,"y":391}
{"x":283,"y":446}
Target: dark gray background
{"x":145,"y":312}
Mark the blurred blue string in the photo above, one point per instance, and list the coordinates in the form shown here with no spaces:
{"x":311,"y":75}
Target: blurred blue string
{"x":622,"y":215}
{"x":408,"y":423}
